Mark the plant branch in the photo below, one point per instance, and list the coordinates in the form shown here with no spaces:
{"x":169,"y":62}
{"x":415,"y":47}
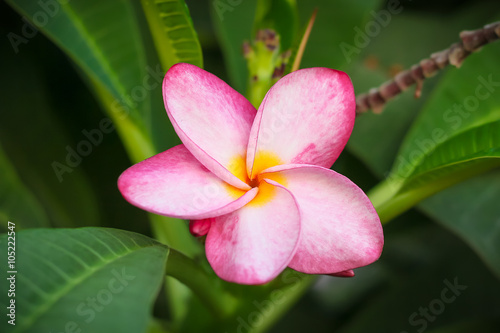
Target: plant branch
{"x":471,"y":41}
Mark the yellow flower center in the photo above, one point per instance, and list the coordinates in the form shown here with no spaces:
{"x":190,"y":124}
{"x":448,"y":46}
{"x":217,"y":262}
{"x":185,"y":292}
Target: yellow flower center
{"x":263,"y":160}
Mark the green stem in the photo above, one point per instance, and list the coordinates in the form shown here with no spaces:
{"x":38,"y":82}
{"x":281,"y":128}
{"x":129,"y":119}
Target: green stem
{"x":176,"y":293}
{"x":174,"y":233}
{"x":291,"y":293}
{"x":164,"y":229}
{"x":187,"y":271}
{"x":170,"y":231}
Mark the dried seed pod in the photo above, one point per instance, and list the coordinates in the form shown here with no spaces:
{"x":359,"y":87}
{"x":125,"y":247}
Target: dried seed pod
{"x":471,"y":41}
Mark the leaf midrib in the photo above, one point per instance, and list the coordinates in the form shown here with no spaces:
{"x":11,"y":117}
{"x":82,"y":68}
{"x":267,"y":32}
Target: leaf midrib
{"x":95,"y":49}
{"x":412,"y":175}
{"x":74,"y":283}
{"x":412,"y":178}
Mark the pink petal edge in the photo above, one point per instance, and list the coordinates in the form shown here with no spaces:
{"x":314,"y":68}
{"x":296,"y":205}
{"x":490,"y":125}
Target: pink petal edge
{"x":174,"y":183}
{"x":305,"y":118}
{"x":340,"y":228}
{"x":211,"y":118}
{"x":252,"y":245}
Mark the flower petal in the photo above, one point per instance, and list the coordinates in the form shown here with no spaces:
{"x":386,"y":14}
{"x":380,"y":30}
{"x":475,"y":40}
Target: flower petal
{"x":174,"y":183}
{"x":305,"y":118}
{"x":340,"y":228}
{"x":212,"y":120}
{"x":255,"y":243}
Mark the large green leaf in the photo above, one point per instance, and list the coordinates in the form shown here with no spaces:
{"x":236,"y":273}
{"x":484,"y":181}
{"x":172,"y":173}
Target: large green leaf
{"x":173,"y":32}
{"x":84,"y":279}
{"x":466,"y":101}
{"x":175,"y":40}
{"x":17,"y":203}
{"x":102,"y":38}
{"x":466,"y":150}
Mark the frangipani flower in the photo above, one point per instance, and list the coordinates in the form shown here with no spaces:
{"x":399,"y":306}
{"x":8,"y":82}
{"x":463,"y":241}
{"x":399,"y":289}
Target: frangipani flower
{"x":258,"y":183}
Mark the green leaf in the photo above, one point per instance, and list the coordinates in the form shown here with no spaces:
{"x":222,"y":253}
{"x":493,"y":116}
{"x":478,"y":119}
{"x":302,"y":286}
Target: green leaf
{"x":459,"y":119}
{"x":173,"y":33}
{"x":17,"y":203}
{"x":85,"y":279}
{"x":102,"y":38}
{"x":469,"y":149}
{"x":76,"y":205}
{"x":279,"y":15}
{"x":455,"y":137}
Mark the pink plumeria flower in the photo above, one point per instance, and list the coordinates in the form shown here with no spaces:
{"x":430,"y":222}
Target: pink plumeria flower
{"x":258,"y":183}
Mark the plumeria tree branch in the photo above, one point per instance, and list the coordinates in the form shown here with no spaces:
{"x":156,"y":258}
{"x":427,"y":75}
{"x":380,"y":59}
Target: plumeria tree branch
{"x":471,"y":41}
